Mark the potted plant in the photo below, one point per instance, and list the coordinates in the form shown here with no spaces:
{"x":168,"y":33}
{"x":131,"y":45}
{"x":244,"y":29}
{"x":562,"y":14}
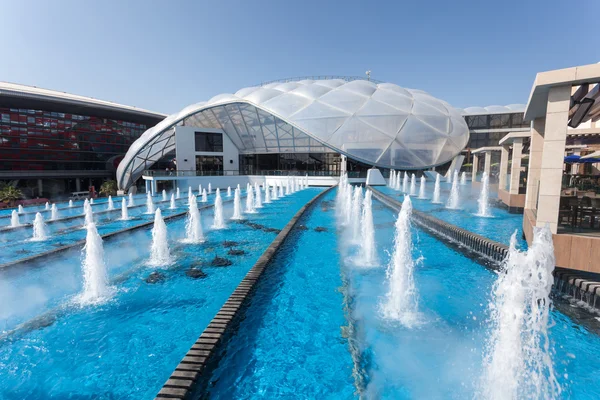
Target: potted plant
{"x":108,"y":188}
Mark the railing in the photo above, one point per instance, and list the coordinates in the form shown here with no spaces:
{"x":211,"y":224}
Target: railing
{"x":175,"y":174}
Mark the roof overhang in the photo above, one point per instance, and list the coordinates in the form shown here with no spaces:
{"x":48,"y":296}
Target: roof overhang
{"x":511,"y":137}
{"x":486,"y":149}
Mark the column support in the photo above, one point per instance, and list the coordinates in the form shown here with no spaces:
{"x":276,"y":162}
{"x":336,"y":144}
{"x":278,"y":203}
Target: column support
{"x":487,"y":166}
{"x":503,"y":167}
{"x":515,"y":168}
{"x":535,"y":163}
{"x":474,"y":169}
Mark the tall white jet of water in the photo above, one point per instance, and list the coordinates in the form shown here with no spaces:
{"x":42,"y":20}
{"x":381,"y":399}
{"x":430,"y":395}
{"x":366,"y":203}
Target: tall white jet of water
{"x":368,"y":252}
{"x":190,"y":193}
{"x":86,"y":205}
{"x":436,"y":191}
{"x":287,"y":186}
{"x":111,"y":205}
{"x":177,"y":194}
{"x":463,"y":178}
{"x":454,"y":199}
{"x":39,"y":228}
{"x":280,"y":189}
{"x":422,"y":188}
{"x":413,"y":185}
{"x":401,"y":303}
{"x":484,"y":208}
{"x":204,"y":196}
{"x":21,"y":211}
{"x":92,"y":200}
{"x":405,"y":183}
{"x":218,"y":222}
{"x":199,"y":189}
{"x":228,"y":191}
{"x":392,"y":179}
{"x":164,"y":195}
{"x":14,"y":219}
{"x":95,"y":276}
{"x":150,"y":204}
{"x":53,"y":212}
{"x":274,"y":197}
{"x":237,"y":205}
{"x":159,"y":251}
{"x":258,"y":197}
{"x":250,"y":201}
{"x":47,"y":206}
{"x":398,"y":183}
{"x":124,"y":212}
{"x":131,"y":202}
{"x":193,"y":226}
{"x":172,"y":204}
{"x":449,"y":177}
{"x":518,"y":355}
{"x":70,"y":203}
{"x":89,"y":215}
{"x":267,"y":194}
{"x":209,"y":188}
{"x":357,"y":200}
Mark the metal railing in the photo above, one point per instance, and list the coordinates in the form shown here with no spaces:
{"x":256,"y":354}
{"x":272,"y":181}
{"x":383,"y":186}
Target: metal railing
{"x":267,"y":172}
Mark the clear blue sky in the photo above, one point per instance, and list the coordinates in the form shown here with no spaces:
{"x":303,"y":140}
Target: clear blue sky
{"x":167,"y":55}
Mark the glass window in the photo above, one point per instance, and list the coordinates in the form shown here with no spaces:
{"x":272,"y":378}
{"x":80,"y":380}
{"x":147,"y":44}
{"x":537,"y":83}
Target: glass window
{"x":208,"y":141}
{"x":477,"y":121}
{"x":500,"y":121}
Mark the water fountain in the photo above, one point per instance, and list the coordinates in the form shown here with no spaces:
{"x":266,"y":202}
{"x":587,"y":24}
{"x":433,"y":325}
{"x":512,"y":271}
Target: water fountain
{"x":391,"y":181}
{"x":463,"y":178}
{"x":164,"y":195}
{"x":70,"y":203}
{"x":405,"y":183}
{"x":131,"y":202}
{"x":436,"y":191}
{"x":218,"y":222}
{"x":258,"y":199}
{"x":413,"y":185}
{"x":111,"y":205}
{"x":449,"y":177}
{"x":518,"y":355}
{"x":280,"y":189}
{"x":177,"y":194}
{"x":159,"y":251}
{"x":368,"y":251}
{"x":204,"y":196}
{"x":172,"y":204}
{"x":237,"y":205}
{"x":209,"y":188}
{"x":39,"y":228}
{"x":124,"y":212}
{"x":267,"y":194}
{"x":228,"y":191}
{"x":398,"y":184}
{"x":54,"y":212}
{"x":422,"y":188}
{"x":274,"y":194}
{"x":199,"y":189}
{"x":89,"y":215}
{"x":150,"y":204}
{"x":190,"y":193}
{"x":91,"y":200}
{"x":401,"y":302}
{"x":357,"y":200}
{"x":484,"y":208}
{"x":14,"y":219}
{"x":95,"y":276}
{"x":250,"y":201}
{"x":21,"y":211}
{"x":86,"y":204}
{"x":287,"y":186}
{"x":454,"y":199}
{"x":193,"y":226}
{"x":47,"y":206}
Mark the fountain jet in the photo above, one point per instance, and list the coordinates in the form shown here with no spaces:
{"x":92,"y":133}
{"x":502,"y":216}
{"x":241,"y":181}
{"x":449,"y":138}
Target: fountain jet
{"x":204,"y":196}
{"x":258,"y":199}
{"x":172,"y":204}
{"x":178,"y":194}
{"x":164,"y":195}
{"x":413,"y":185}
{"x":150,"y":204}
{"x":237,"y":205}
{"x":484,"y":208}
{"x":53,"y":212}
{"x":274,"y":197}
{"x":518,"y":354}
{"x":454,"y":199}
{"x":21,"y":211}
{"x":405,"y":183}
{"x":70,"y":203}
{"x":402,"y":301}
{"x":14,"y":219}
{"x":357,"y":200}
{"x":368,"y":255}
{"x":95,"y":276}
{"x":111,"y":205}
{"x":228,"y":191}
{"x":422,"y":188}
{"x":193,"y":226}
{"x":250,"y":201}
{"x":267,"y":194}
{"x":160,"y":254}
{"x":209,"y":188}
{"x":124,"y":212}
{"x":39,"y":228}
{"x":218,"y":222}
{"x":463,"y":178}
{"x":436,"y":191}
{"x":47,"y":206}
{"x":131,"y":202}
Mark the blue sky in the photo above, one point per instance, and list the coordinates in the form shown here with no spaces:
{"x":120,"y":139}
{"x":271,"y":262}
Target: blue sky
{"x":164,"y":55}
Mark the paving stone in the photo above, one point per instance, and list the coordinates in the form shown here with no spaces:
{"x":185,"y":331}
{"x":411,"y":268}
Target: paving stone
{"x":193,"y":360}
{"x":180,"y":383}
{"x":172,"y":393}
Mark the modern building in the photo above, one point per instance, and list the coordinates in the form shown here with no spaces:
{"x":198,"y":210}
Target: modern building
{"x":301,"y":126}
{"x":53,"y":143}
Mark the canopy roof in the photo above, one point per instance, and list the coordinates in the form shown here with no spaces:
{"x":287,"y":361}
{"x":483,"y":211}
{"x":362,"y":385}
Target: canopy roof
{"x":380,"y":124}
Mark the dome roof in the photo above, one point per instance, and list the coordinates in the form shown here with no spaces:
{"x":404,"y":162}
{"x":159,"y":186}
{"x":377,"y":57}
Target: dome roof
{"x":379,"y":124}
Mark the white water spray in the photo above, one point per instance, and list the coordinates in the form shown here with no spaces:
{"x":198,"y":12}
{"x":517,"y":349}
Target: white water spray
{"x":357,"y":200}
{"x":368,"y":251}
{"x":228,"y":191}
{"x":463,"y":178}
{"x":209,"y":188}
{"x":436,"y":191}
{"x":218,"y":222}
{"x":267,"y":194}
{"x":422,"y":188}
{"x":274,"y":197}
{"x":405,"y":183}
{"x":402,"y":301}
{"x":14,"y":219}
{"x":413,"y":185}
{"x":47,"y":206}
{"x":172,"y":204}
{"x":124,"y":212}
{"x":250,"y":201}
{"x":193,"y":226}
{"x":484,"y":208}
{"x":89,"y":215}
{"x":518,"y":356}
{"x":111,"y":205}
{"x":70,"y":203}
{"x":131,"y":202}
{"x":177,"y":194}
{"x":95,"y":276}
{"x":454,"y":199}
{"x":237,"y":205}
{"x":160,"y":254}
{"x":258,"y":198}
{"x":21,"y":211}
{"x":53,"y":212}
{"x":150,"y":204}
{"x":164,"y":195}
{"x":39,"y":228}
{"x":204,"y":196}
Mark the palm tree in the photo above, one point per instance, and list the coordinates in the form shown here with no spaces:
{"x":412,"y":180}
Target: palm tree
{"x":108,"y":188}
{"x":10,"y":194}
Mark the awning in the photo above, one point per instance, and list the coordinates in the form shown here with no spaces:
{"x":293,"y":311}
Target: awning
{"x":573,"y":159}
{"x":595,"y":154}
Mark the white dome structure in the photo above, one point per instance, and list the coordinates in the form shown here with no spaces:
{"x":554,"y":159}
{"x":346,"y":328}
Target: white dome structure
{"x":379,"y":124}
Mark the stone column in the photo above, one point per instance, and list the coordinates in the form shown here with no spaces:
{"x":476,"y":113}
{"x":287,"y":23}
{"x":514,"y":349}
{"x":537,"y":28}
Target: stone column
{"x":148,"y":186}
{"x":557,"y":116}
{"x":153,"y":186}
{"x":40,"y":187}
{"x":487,"y":166}
{"x":78,"y":184}
{"x":535,"y":163}
{"x":503,"y":167}
{"x":515,"y":167}
{"x":475,"y":165}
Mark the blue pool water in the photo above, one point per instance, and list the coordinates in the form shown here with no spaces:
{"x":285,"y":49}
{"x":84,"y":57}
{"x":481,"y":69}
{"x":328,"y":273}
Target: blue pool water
{"x":499,"y":227}
{"x":127,"y":347}
{"x":291,"y":343}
